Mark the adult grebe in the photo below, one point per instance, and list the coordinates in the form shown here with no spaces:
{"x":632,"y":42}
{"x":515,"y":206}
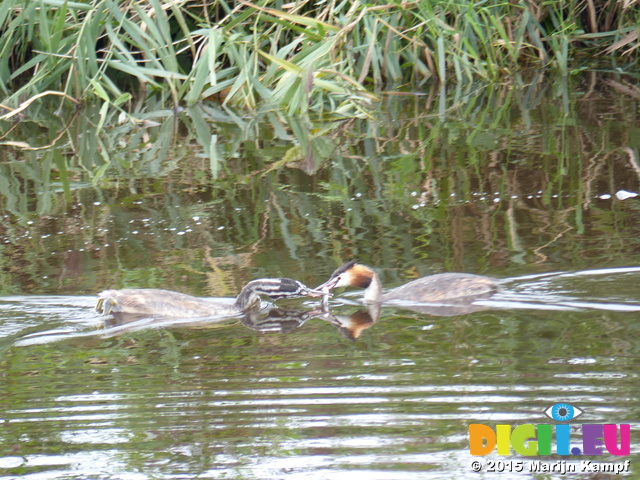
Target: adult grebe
{"x":445,"y":288}
{"x":151,"y":301}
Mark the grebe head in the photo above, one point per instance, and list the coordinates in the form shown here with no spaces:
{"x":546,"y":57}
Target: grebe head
{"x":274,"y":288}
{"x":349,"y":274}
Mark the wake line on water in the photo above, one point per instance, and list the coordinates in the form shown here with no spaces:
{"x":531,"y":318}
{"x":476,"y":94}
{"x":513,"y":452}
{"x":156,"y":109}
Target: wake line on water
{"x":580,"y":273}
{"x":548,"y":300}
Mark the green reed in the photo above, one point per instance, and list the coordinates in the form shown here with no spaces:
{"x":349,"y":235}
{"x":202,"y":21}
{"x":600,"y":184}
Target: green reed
{"x":298,"y":57}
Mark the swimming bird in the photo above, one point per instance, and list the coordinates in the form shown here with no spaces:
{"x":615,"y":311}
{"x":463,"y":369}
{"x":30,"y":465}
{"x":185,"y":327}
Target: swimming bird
{"x":443,"y":288}
{"x":166,"y":303}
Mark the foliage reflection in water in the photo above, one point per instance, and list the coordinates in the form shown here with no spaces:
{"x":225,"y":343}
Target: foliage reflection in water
{"x":515,"y":183}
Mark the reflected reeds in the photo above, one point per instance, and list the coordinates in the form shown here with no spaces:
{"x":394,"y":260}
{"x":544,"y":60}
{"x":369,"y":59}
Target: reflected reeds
{"x":468,"y":178}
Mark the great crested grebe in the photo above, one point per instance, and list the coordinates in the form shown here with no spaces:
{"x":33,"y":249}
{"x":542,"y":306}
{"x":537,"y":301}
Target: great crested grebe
{"x":445,"y":288}
{"x":150,"y":301}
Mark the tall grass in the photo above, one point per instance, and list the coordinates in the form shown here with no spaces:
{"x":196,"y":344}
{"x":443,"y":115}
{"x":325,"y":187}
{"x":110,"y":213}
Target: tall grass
{"x":299,"y":57}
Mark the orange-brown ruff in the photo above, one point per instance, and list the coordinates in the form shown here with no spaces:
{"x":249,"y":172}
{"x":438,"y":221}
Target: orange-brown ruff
{"x":443,"y":288}
{"x":359,"y":275}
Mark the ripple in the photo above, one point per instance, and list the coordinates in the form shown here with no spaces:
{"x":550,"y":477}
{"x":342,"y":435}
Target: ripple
{"x":229,"y":402}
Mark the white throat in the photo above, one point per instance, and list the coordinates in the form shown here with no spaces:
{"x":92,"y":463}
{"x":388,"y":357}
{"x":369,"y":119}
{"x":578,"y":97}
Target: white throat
{"x":373,"y":293}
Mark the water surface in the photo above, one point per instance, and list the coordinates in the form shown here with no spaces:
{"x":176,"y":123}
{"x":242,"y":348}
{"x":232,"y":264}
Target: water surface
{"x":535,"y":184}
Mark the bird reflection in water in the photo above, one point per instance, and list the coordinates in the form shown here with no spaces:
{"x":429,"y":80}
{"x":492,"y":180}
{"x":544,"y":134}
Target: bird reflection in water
{"x":352,"y":325}
{"x":270,"y":320}
{"x":283,"y":320}
{"x":279,"y":320}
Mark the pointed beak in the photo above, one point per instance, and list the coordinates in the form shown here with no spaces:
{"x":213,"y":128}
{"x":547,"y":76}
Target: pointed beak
{"x":314,"y":292}
{"x":329,"y":284}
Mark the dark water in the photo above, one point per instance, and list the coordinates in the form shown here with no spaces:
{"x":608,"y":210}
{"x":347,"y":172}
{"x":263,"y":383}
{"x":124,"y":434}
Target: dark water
{"x":535,"y":185}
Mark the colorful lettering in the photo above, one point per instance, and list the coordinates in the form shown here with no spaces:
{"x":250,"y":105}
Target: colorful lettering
{"x":521,"y":434}
{"x":592,"y":439}
{"x":544,"y":439}
{"x":530,"y":440}
{"x":503,"y":432}
{"x":563,"y":436}
{"x":611,"y":439}
{"x":482,"y":439}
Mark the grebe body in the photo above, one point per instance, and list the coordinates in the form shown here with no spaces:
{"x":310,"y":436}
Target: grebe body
{"x":442,"y":288}
{"x":151,"y":301}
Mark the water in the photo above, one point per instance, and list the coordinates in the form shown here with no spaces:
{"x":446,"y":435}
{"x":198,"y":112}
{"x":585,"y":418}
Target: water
{"x":509,"y":183}
{"x":215,"y":399}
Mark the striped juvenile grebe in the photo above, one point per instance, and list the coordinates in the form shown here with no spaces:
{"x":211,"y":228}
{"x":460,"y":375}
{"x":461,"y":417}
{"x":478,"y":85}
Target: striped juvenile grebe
{"x":151,"y":301}
{"x":444,"y":288}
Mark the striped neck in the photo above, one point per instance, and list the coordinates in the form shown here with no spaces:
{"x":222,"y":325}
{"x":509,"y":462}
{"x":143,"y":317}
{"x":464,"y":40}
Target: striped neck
{"x":274,"y":288}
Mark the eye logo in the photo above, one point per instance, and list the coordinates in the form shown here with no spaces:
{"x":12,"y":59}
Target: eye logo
{"x":563,"y":412}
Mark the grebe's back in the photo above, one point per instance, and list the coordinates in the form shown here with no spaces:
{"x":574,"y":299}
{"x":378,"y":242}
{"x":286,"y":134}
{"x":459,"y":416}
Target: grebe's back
{"x":151,"y":301}
{"x":444,"y":288}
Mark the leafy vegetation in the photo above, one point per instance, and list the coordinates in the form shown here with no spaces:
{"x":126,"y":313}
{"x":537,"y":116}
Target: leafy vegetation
{"x":303,"y":56}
